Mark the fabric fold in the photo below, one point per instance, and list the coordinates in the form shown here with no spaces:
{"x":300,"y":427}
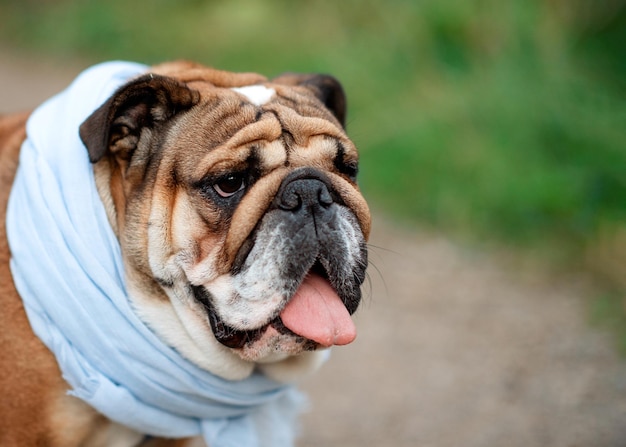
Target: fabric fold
{"x":67,"y":266}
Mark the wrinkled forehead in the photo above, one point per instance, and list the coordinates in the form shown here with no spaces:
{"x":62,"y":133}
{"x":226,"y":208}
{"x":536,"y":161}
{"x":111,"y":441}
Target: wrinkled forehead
{"x":279,"y":125}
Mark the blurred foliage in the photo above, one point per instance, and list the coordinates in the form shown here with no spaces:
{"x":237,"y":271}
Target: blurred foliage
{"x":500,"y":121}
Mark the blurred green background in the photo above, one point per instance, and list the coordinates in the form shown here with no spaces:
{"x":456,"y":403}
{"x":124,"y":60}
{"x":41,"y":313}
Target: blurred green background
{"x":496,"y":122}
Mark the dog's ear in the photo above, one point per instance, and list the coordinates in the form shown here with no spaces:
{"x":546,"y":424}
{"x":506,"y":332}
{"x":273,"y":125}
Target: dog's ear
{"x":325,"y":87}
{"x":143,"y":103}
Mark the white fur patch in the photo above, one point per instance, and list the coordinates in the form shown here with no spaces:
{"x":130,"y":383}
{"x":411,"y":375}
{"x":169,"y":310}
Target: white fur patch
{"x":256,"y":94}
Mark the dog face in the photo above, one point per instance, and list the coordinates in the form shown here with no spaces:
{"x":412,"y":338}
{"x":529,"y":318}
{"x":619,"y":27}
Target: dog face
{"x":235,"y":202}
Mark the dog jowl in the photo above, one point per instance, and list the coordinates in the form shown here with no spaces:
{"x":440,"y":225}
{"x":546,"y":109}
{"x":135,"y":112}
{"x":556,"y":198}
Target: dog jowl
{"x":235,"y":202}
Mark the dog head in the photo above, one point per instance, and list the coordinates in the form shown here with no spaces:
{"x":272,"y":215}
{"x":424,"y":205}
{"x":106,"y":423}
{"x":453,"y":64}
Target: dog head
{"x":235,"y":202}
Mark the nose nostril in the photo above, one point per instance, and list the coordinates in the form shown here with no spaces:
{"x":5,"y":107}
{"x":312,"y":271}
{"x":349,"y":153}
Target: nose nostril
{"x":324,"y":197}
{"x":290,"y":201}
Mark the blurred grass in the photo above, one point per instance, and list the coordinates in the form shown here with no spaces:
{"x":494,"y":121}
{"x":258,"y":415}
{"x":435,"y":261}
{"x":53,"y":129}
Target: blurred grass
{"x":607,"y":311}
{"x":495,"y":121}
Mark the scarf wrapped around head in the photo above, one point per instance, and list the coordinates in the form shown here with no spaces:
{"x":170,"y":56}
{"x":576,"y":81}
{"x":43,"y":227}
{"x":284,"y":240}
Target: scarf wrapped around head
{"x":67,"y":266}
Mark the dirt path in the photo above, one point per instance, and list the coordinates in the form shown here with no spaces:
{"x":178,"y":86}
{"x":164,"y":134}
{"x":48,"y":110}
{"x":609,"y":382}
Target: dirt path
{"x":454,"y":348}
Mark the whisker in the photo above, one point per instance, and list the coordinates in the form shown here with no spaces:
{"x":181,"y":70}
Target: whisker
{"x":370,"y":280}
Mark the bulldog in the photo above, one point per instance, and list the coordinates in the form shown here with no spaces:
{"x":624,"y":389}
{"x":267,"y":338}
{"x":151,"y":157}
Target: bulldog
{"x":242,"y":238}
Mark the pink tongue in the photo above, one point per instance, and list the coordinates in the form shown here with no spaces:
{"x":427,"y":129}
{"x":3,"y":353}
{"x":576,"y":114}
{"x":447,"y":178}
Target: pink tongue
{"x":316,"y":312}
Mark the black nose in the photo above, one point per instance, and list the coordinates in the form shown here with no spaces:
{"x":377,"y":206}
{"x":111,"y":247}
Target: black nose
{"x":305,"y":195}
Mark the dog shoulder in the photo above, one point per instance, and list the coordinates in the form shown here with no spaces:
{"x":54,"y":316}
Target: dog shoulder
{"x":12,"y":134}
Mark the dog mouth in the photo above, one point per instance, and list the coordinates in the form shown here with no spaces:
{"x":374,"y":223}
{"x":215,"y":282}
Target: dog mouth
{"x":315,"y":316}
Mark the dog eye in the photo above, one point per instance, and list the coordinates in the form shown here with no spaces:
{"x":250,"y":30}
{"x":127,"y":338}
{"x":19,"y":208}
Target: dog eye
{"x":229,"y":185}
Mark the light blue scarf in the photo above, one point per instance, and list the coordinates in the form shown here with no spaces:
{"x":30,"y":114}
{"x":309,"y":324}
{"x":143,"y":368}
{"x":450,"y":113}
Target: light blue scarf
{"x":67,"y":267}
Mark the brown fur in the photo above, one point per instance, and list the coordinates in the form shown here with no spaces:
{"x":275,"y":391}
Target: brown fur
{"x":35,"y":409}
